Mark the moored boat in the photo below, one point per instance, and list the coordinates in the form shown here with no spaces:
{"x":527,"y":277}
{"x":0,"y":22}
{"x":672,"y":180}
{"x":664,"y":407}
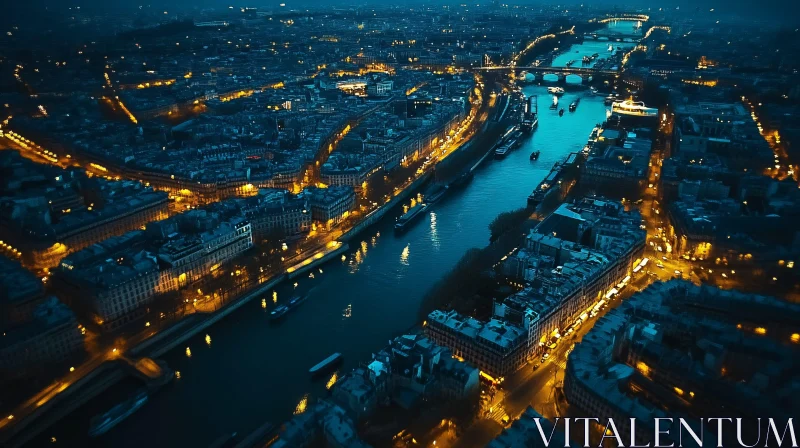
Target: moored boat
{"x":535,"y":155}
{"x":462,"y":179}
{"x":296,"y":300}
{"x":434,"y":193}
{"x":279,"y":312}
{"x":502,"y":151}
{"x":407,"y":217}
{"x":327,"y":363}
{"x":103,"y":423}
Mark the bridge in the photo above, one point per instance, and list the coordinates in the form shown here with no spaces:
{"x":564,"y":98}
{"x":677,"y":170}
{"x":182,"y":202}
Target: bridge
{"x":583,"y":71}
{"x":623,"y":18}
{"x":539,"y":72}
{"x":614,"y":37}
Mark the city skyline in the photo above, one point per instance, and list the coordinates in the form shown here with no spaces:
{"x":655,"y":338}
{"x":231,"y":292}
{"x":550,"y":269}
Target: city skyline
{"x":452,"y":225}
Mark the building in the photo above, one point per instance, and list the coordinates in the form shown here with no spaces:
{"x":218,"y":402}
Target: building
{"x":324,"y":424}
{"x":51,"y":336}
{"x":116,"y":279}
{"x":329,"y":206}
{"x":407,"y":372}
{"x":20,"y":293}
{"x":495,"y":347}
{"x":278,"y":211}
{"x":572,"y":263}
{"x":116,"y":290}
{"x":47,"y":213}
{"x":680,"y":350}
{"x":618,"y":164}
{"x":357,"y":392}
{"x":723,"y":129}
{"x":524,"y":433}
{"x":198,"y":242}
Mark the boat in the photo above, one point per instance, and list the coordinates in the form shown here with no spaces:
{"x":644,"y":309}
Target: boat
{"x":636,"y":108}
{"x":535,"y":155}
{"x":412,"y":213}
{"x":434,"y":193}
{"x":561,"y":112}
{"x":101,"y":424}
{"x":516,"y":140}
{"x":574,"y":105}
{"x":554,"y":105}
{"x":610,"y":99}
{"x":278,"y":312}
{"x":586,"y":60}
{"x":595,"y":55}
{"x":530,"y":119}
{"x":462,"y":180}
{"x":225,"y":440}
{"x":513,"y":142}
{"x":502,"y":151}
{"x":296,"y":300}
{"x":595,"y":91}
{"x":326,"y":364}
{"x":555,"y":90}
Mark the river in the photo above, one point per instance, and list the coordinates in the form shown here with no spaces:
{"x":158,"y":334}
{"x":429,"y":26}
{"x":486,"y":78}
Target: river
{"x":254,"y":371}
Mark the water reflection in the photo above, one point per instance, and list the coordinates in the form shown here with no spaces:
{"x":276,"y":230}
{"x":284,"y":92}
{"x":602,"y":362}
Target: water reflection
{"x":360,"y":255}
{"x":208,"y":340}
{"x":301,"y":406}
{"x":434,"y":232}
{"x":404,"y":255}
{"x":348,"y":312}
{"x":332,"y":380}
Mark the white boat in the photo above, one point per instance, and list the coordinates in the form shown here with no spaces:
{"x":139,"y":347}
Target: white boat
{"x":555,"y":103}
{"x":555,"y":90}
{"x":630,"y":107}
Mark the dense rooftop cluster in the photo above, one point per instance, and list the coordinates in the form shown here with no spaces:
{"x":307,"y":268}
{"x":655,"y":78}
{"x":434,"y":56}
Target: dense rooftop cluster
{"x":679,"y":350}
{"x":570,"y":261}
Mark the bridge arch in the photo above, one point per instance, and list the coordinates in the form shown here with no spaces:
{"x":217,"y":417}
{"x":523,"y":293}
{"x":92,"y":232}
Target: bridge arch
{"x":550,"y":77}
{"x":572,"y":78}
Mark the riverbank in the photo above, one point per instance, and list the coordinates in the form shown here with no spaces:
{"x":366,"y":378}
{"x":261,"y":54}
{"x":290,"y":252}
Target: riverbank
{"x":351,"y":308}
{"x":167,"y":339}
